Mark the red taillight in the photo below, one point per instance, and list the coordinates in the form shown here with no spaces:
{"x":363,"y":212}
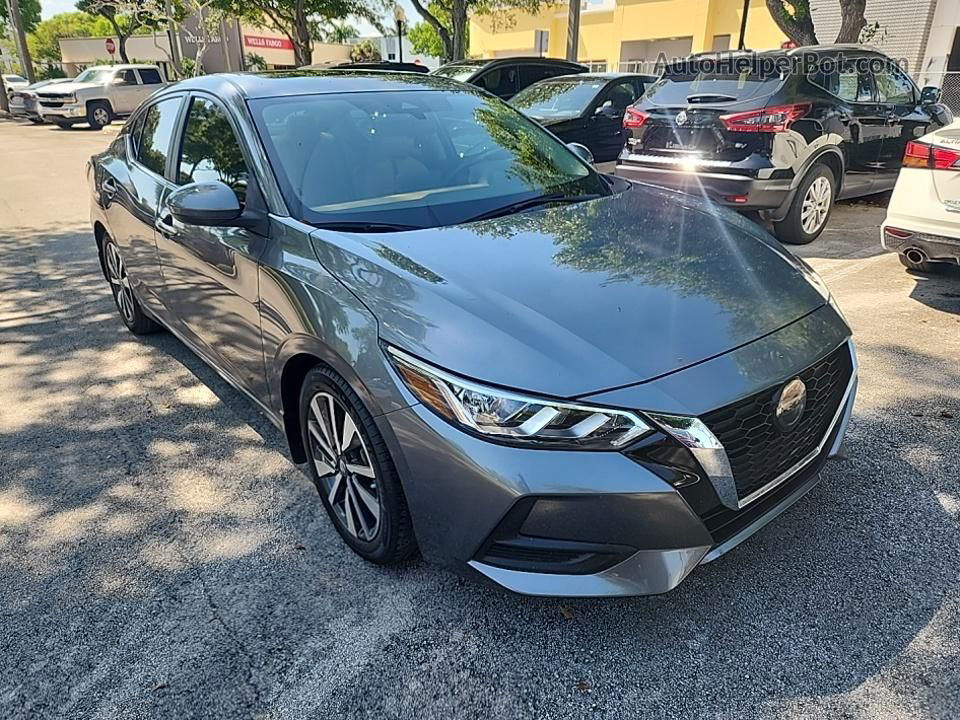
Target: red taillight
{"x":634,"y":118}
{"x":769,"y":120}
{"x":898,"y":233}
{"x":921,"y":155}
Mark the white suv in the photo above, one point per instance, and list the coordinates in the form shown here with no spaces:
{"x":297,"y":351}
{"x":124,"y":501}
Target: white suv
{"x":99,"y":94}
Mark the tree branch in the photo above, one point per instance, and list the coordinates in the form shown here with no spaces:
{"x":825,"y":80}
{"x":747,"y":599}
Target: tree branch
{"x":795,"y":22}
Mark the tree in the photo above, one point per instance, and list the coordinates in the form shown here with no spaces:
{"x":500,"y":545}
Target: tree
{"x":123,"y":16}
{"x":425,"y":40}
{"x":44,"y":40}
{"x":793,"y":17}
{"x":29,"y":13}
{"x":449,"y":19}
{"x":338,"y":31}
{"x":365,"y":51}
{"x":302,"y":20}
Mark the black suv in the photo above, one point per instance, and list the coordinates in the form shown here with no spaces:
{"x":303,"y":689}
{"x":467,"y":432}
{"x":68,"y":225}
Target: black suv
{"x":505,"y":77}
{"x":784,"y":132}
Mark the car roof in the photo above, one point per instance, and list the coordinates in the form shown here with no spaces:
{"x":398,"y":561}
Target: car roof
{"x":605,"y":76}
{"x":125,"y":66}
{"x":513,"y":60}
{"x":318,"y":82}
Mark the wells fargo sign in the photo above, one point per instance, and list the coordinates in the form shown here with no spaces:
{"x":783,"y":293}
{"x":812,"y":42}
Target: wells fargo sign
{"x":270,"y":43}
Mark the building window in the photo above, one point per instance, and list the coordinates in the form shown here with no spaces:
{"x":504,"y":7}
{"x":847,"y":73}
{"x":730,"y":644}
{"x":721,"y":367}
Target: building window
{"x":721,"y":43}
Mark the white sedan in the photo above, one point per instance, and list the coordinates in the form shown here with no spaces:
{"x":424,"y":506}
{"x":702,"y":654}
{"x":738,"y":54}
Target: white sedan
{"x":923,"y":218}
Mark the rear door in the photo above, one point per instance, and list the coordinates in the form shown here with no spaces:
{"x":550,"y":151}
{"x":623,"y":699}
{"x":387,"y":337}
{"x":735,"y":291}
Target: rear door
{"x":150,"y":82}
{"x":906,"y":120}
{"x":132,"y":189}
{"x":211,"y":273}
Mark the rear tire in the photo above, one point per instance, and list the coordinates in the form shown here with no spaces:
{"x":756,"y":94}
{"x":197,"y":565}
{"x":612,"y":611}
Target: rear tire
{"x":99,"y":114}
{"x":127,"y":304}
{"x":353,"y":471}
{"x":811,"y":207}
{"x":924,"y":266}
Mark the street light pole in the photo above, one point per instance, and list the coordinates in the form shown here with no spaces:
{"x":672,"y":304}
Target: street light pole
{"x":573,"y":30}
{"x":401,"y":17}
{"x":742,"y":44}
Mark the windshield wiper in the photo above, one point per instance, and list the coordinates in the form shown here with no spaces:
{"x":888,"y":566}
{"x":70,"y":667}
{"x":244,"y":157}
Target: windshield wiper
{"x":362,"y":226}
{"x":533,"y":202}
{"x":703,"y":97}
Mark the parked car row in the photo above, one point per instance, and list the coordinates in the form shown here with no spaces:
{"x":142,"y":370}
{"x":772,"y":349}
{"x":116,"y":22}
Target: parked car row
{"x":97,"y":96}
{"x":785,"y":144}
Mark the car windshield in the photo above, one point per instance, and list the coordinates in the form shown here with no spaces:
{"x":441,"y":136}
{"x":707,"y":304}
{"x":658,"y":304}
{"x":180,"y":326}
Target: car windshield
{"x":94,"y":75}
{"x":457,"y":72}
{"x":557,"y":98}
{"x":14,"y":79}
{"x":416,"y":158}
{"x":686,"y":85}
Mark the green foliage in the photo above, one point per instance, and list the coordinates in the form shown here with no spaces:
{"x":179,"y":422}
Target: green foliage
{"x":189,"y":67}
{"x":29,"y":12}
{"x":334,"y":31}
{"x":424,"y":37}
{"x":50,"y":72}
{"x":365,"y":51}
{"x":43,"y":41}
{"x":253,"y":61}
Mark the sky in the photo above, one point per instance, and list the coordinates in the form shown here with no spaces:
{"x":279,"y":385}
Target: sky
{"x":52,"y":7}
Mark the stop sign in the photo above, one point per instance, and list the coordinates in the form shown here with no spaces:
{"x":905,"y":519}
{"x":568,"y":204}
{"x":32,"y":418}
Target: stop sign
{"x":110,"y":45}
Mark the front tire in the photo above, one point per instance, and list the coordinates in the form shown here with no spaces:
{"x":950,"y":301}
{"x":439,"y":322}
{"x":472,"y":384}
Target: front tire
{"x":810,"y":209}
{"x":353,"y":471}
{"x":127,"y":304}
{"x":99,"y":114}
{"x":63,"y":125}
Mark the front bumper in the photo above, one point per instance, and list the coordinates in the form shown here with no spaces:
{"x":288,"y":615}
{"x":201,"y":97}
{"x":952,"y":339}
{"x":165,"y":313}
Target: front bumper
{"x":567,"y":523}
{"x":739,"y":191}
{"x":64,"y":112}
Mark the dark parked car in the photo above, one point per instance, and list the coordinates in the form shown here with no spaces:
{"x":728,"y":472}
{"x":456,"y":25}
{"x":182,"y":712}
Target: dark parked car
{"x":505,"y":77}
{"x":556,"y":380}
{"x":388,"y":65}
{"x":586,"y":108}
{"x":786,"y":143}
{"x":24,"y":101}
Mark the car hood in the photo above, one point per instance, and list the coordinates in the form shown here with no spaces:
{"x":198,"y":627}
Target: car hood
{"x":573,"y":299}
{"x":66,"y":88}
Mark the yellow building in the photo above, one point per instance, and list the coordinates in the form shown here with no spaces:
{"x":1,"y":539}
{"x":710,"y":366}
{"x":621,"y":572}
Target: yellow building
{"x":628,"y":34}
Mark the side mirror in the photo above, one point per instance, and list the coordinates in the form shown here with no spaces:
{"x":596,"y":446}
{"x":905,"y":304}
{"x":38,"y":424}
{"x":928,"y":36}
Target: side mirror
{"x":211,"y":204}
{"x":930,"y":95}
{"x":582,"y":152}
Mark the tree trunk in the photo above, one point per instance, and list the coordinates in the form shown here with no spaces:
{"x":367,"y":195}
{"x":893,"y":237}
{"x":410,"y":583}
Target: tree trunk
{"x":443,"y":32}
{"x":302,"y":42}
{"x":121,"y":39}
{"x":796,"y":23}
{"x":852,"y":20}
{"x":458,"y":21}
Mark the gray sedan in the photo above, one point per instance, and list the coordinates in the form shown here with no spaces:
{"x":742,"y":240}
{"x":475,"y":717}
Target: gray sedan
{"x":482,"y":349}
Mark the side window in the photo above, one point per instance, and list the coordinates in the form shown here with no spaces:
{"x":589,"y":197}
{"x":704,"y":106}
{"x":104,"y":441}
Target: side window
{"x":500,"y":81}
{"x":894,"y":87}
{"x":149,"y":76}
{"x":155,"y":136}
{"x":127,"y":77}
{"x":210,"y":150}
{"x":851,"y":84}
{"x":529,"y":74}
{"x":621,"y":96}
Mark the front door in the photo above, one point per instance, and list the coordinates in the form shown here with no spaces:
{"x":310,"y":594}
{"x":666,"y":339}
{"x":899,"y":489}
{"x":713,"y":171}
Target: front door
{"x":133,"y":191}
{"x":906,"y":120}
{"x":125,"y":92}
{"x":605,"y":135}
{"x":211,"y":274}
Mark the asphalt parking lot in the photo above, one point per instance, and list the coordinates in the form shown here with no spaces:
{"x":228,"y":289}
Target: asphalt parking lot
{"x":161,"y":557}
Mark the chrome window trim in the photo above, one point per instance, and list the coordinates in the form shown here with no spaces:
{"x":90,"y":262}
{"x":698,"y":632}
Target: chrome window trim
{"x":712,"y":456}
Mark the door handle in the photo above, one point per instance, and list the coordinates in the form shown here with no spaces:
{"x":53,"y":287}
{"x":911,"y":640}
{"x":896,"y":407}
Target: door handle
{"x":109,"y":187}
{"x":165,"y":224}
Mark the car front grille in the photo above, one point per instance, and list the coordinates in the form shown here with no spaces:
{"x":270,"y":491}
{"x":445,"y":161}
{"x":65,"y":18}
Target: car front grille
{"x":758,"y":450}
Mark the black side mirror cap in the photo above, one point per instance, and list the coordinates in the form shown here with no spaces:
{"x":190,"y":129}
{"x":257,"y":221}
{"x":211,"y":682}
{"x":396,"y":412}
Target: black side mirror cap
{"x":211,"y":204}
{"x":930,"y":95}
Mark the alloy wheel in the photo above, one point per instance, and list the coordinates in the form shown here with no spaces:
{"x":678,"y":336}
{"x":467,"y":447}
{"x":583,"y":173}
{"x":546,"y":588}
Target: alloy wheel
{"x":342,"y":459}
{"x":117,"y":274}
{"x":816,"y":205}
{"x":101,"y":116}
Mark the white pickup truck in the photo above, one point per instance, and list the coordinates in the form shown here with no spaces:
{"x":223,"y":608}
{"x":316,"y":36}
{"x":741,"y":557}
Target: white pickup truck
{"x":99,"y":94}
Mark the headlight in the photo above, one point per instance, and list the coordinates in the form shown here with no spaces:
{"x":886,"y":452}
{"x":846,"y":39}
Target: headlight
{"x":514,"y":418}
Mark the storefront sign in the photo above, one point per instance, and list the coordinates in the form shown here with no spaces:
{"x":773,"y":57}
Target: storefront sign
{"x":270,"y":43}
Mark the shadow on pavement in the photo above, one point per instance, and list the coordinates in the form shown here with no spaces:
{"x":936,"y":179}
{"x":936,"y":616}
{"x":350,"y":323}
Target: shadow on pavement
{"x":160,"y":557}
